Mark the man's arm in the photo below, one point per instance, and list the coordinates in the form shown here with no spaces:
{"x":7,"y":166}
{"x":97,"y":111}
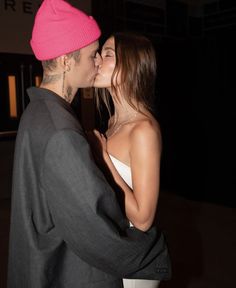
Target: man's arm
{"x":87,"y":215}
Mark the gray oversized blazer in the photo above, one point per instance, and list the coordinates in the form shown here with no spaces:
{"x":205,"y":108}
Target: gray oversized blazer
{"x":67,"y":229}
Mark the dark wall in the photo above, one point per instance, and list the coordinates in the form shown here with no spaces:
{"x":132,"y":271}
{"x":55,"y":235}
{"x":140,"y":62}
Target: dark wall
{"x":24,"y":68}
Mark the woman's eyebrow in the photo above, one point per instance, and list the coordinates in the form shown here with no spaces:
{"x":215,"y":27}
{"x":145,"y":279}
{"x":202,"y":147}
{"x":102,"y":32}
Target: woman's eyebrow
{"x":108,"y":48}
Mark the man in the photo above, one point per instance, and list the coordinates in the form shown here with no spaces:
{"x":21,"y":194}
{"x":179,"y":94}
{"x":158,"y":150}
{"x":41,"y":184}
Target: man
{"x":67,"y":229}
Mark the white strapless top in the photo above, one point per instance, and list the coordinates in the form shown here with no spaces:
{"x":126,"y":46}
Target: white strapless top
{"x":123,"y":169}
{"x":125,"y":173}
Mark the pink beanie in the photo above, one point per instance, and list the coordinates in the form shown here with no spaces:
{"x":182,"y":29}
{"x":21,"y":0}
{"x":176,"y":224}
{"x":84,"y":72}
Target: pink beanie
{"x":60,"y":28}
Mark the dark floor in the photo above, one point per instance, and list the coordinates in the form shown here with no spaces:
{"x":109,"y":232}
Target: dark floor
{"x":201,"y":237}
{"x":202,"y":242}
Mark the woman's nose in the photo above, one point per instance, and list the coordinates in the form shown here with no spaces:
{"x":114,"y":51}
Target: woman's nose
{"x":98,"y":59}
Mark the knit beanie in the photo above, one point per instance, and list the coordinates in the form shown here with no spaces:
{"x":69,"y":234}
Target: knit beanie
{"x":60,"y":28}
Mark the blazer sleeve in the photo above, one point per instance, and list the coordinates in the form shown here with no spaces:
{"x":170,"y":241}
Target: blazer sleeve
{"x":88,"y":218}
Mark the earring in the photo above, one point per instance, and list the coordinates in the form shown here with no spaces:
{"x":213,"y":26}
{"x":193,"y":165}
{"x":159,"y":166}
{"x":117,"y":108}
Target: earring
{"x":63,"y":83}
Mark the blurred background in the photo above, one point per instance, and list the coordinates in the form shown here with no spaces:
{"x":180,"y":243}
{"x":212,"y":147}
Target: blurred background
{"x":195,"y":47}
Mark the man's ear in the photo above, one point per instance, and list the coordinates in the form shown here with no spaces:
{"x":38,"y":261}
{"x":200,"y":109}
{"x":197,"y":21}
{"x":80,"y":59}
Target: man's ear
{"x":64,"y":62}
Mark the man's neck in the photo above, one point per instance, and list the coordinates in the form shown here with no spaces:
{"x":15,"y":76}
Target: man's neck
{"x":57,"y":88}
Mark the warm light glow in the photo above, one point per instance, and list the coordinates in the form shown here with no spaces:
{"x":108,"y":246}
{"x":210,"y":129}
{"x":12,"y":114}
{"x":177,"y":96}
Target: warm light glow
{"x":38,"y":80}
{"x":12,"y":95}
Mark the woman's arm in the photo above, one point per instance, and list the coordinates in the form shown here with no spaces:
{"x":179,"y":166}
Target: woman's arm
{"x":145,"y":154}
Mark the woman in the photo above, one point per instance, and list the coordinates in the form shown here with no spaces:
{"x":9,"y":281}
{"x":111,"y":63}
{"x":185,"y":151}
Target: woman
{"x":132,"y":146}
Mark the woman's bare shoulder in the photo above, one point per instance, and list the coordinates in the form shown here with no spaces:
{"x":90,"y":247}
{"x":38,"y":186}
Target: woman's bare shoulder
{"x":145,"y":140}
{"x":147,"y":128}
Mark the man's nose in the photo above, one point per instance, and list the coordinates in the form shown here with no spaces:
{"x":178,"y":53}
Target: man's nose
{"x":98,"y":60}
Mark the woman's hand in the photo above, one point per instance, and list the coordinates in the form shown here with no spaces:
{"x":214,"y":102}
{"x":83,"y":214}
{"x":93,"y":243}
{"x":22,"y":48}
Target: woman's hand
{"x":98,"y":143}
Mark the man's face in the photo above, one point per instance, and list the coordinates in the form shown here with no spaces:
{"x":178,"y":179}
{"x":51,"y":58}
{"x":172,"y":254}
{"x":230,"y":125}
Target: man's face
{"x":84,"y":71}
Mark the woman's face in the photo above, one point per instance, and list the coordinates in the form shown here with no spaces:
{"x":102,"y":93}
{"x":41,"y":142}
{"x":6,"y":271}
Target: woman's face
{"x":106,"y":64}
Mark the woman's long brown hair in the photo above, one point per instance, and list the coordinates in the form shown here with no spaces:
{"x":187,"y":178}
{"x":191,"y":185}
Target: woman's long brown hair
{"x":136,"y":64}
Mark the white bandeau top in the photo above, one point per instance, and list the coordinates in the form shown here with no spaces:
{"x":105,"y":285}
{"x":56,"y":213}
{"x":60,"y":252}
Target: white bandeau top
{"x":123,"y":169}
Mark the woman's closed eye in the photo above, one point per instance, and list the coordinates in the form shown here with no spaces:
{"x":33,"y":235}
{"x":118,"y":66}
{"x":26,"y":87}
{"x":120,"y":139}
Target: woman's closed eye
{"x":107,"y":55}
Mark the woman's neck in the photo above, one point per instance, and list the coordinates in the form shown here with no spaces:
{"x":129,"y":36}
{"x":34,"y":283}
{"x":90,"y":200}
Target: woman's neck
{"x":123,"y":112}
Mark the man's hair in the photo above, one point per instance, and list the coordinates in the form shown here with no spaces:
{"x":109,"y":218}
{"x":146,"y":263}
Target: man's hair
{"x":51,"y":64}
{"x":136,"y":64}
